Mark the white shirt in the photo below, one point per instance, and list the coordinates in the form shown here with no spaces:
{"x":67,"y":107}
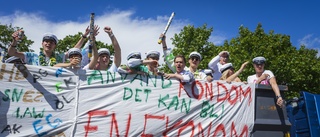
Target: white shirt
{"x":254,"y":78}
{"x":215,"y":65}
{"x":169,"y":60}
{"x":187,"y":76}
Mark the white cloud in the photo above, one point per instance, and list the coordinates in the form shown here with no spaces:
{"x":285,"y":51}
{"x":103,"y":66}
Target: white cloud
{"x":133,"y":33}
{"x":311,"y":42}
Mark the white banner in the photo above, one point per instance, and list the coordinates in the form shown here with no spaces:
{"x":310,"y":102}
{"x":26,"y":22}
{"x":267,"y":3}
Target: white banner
{"x":48,"y":101}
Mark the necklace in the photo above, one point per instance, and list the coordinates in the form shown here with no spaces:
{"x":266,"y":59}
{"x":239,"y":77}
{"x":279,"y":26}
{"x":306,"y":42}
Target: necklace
{"x":44,"y":62}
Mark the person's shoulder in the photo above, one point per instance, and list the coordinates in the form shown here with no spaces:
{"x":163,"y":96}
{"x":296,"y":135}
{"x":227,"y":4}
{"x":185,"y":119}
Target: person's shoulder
{"x":268,"y":71}
{"x":30,"y":53}
{"x":250,"y":76}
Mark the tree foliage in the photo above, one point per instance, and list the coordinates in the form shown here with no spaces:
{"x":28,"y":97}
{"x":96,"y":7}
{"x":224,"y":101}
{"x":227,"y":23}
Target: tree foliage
{"x":297,"y":68}
{"x":71,"y":40}
{"x":5,"y":38}
{"x":193,"y":39}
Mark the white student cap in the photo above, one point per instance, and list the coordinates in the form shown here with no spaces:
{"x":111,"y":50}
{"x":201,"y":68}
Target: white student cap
{"x":103,"y":51}
{"x":50,"y":36}
{"x":195,"y":54}
{"x":74,"y":51}
{"x":153,"y":54}
{"x":134,"y":54}
{"x":225,"y":67}
{"x":259,"y":60}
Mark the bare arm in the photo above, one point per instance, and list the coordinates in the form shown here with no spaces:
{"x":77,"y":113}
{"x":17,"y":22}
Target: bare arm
{"x":12,"y":51}
{"x":82,"y":39}
{"x":117,"y":49}
{"x":95,"y":54}
{"x":262,"y":77}
{"x":177,"y":76}
{"x":74,"y":62}
{"x":236,"y":74}
{"x":276,"y":91}
{"x":168,"y":56}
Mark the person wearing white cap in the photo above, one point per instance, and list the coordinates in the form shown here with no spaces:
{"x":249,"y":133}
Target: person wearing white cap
{"x":48,"y":56}
{"x":49,"y":43}
{"x":180,"y":74}
{"x":136,"y":65}
{"x":101,"y":60}
{"x":228,"y":73}
{"x":152,"y":56}
{"x":194,"y":61}
{"x":74,"y":56}
{"x":265,"y":77}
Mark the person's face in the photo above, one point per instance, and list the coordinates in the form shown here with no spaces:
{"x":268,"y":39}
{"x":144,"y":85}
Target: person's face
{"x":224,"y":59}
{"x":153,"y":58}
{"x":75,"y":56}
{"x":259,"y":68}
{"x":194,"y":61}
{"x":48,"y":45}
{"x":104,"y":58}
{"x":179,"y":64}
{"x":230,"y":71}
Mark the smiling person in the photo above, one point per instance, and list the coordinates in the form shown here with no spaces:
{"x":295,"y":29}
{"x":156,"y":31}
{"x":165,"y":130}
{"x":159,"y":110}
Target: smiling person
{"x":265,"y":77}
{"x":48,"y":56}
{"x":194,"y":61}
{"x":102,"y":59}
{"x":180,"y":74}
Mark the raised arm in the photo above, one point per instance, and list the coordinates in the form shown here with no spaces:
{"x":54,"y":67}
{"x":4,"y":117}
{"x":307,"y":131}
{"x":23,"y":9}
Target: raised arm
{"x":168,"y":55}
{"x":117,"y":49}
{"x":276,"y":91}
{"x":82,"y":39}
{"x":12,"y":51}
{"x":236,"y":74}
{"x":95,"y":54}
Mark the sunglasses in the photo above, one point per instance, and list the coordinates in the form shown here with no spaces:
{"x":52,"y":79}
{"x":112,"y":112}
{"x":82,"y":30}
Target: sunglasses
{"x":195,"y":58}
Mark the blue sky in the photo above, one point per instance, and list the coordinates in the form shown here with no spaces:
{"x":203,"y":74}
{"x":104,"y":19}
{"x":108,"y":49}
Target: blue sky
{"x":140,"y":22}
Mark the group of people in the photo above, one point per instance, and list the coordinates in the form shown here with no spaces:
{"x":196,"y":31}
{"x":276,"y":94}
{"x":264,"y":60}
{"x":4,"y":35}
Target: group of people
{"x":219,"y":67}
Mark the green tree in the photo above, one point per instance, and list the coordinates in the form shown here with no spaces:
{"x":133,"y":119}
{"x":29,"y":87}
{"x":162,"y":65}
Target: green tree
{"x":193,"y":39}
{"x":6,"y":39}
{"x":71,"y":40}
{"x":299,"y":69}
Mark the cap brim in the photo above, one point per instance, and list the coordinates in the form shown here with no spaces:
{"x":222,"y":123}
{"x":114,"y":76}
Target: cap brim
{"x":153,"y":56}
